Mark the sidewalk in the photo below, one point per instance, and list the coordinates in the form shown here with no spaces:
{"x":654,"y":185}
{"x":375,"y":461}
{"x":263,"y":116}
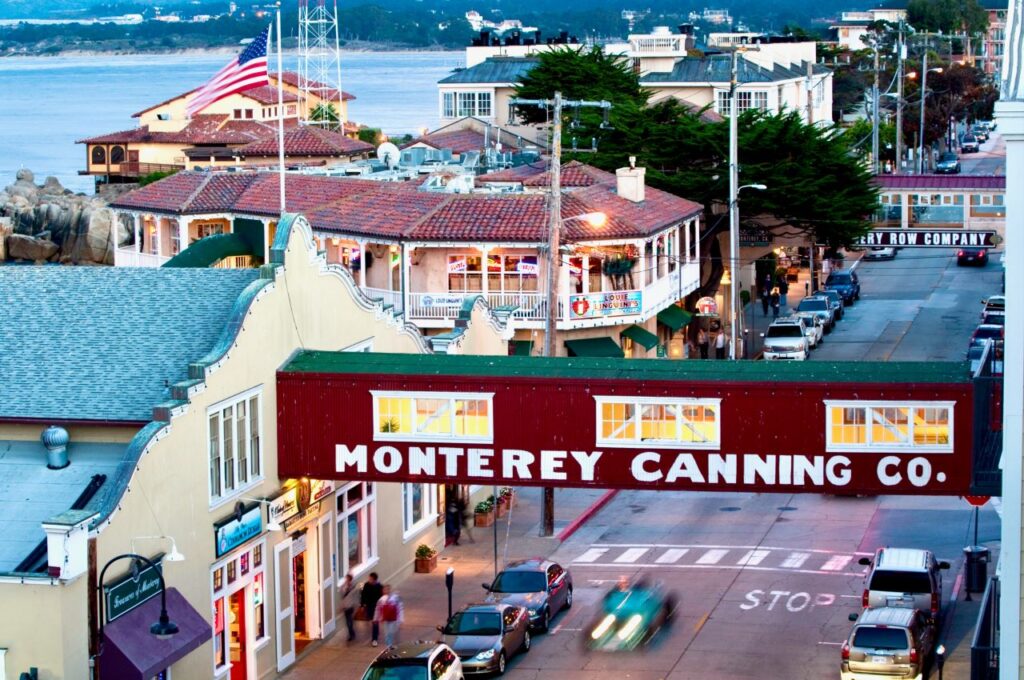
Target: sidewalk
{"x":755,"y":322}
{"x":961,"y":617}
{"x":425,"y":596}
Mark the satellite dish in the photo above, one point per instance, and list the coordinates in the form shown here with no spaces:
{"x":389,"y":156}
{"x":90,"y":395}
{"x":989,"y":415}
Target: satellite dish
{"x":389,"y":154}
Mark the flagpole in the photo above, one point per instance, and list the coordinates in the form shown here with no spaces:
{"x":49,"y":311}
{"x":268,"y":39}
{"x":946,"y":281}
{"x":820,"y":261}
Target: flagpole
{"x":280,"y":115}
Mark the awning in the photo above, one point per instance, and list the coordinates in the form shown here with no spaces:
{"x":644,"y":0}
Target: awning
{"x":595,"y":347}
{"x":674,"y":316}
{"x":522,"y":348}
{"x":131,"y":652}
{"x":641,"y":336}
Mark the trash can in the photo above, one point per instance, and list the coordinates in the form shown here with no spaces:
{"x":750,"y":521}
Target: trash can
{"x":976,"y":568}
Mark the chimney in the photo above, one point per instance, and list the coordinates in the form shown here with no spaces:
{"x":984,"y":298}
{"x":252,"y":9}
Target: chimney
{"x":631,"y":181}
{"x":55,"y":439}
{"x":67,"y":543}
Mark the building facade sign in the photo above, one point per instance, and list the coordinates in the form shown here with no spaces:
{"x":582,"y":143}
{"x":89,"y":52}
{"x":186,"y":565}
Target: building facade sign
{"x":245,"y":525}
{"x":751,"y":237}
{"x":132,"y":590}
{"x":295,"y":501}
{"x":441,"y":300}
{"x":611,"y":303}
{"x":929,"y":238}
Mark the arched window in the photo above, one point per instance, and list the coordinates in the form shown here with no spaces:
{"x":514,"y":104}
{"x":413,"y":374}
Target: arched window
{"x":99,"y":155}
{"x":116,"y":155}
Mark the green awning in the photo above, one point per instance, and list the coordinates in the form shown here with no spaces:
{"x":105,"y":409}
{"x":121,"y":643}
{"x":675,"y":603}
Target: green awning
{"x":675,"y":317}
{"x":595,"y":347}
{"x":641,"y":335}
{"x":522,"y":348}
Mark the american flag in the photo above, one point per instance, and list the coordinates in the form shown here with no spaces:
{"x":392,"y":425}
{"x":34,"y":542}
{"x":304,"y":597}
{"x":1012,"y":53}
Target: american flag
{"x":247,"y":71}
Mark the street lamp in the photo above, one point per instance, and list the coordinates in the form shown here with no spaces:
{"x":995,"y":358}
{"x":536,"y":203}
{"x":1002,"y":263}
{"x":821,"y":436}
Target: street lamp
{"x":163,"y":628}
{"x":924,"y":95}
{"x":173,"y":556}
{"x":734,"y":248}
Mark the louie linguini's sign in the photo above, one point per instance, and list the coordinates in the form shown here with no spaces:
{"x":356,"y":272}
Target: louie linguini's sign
{"x":593,"y":305}
{"x":929,"y":238}
{"x":132,"y":590}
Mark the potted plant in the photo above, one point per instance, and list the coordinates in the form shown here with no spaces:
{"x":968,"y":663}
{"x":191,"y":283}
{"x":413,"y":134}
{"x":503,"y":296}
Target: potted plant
{"x":426,"y":559}
{"x":483,"y":513}
{"x":509,"y":497}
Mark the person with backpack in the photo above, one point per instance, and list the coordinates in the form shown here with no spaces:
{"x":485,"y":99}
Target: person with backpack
{"x":390,"y":612}
{"x":349,"y":597}
{"x":368,"y":599}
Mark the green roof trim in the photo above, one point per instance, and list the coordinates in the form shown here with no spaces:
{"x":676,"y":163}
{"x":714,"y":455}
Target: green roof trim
{"x":522,"y":348}
{"x":675,"y":317}
{"x":208,"y":251}
{"x":640,"y":335}
{"x":934,"y":372}
{"x":595,"y":347}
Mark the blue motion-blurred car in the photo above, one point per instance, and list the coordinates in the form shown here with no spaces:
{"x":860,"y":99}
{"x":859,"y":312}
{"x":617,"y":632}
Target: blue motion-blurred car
{"x":630,"y":617}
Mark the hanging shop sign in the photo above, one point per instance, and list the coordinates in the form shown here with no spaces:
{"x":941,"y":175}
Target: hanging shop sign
{"x":706,"y":306}
{"x":244,"y":525}
{"x":930,"y":238}
{"x":294,"y":502}
{"x":457,"y":266}
{"x":141,"y":585}
{"x":750,"y":236}
{"x":612,"y":303}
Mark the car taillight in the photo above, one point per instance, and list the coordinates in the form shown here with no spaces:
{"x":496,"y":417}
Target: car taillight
{"x":960,"y":253}
{"x":913,"y":655}
{"x":935,"y":604}
{"x":864,"y":599}
{"x":846,"y":651}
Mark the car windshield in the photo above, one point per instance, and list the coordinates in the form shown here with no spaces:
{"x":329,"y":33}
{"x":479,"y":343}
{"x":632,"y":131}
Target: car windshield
{"x":838,"y":280}
{"x":947,"y":157}
{"x":994,"y":332}
{"x":787,"y":331}
{"x":869,"y":637}
{"x":901,"y":581}
{"x":520,"y":582}
{"x":418,"y":672}
{"x":818,"y":305}
{"x":474,"y":623}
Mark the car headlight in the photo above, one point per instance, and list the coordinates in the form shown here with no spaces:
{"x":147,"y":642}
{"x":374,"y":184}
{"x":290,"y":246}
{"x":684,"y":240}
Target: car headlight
{"x":631,"y":625}
{"x":485,"y":655}
{"x":602,"y":628}
{"x":532,"y":612}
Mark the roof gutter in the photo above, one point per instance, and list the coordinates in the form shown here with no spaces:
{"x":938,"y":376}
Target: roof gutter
{"x":72,"y":421}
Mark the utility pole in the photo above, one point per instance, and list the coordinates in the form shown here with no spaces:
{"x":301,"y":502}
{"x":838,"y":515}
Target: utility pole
{"x":734,"y":183}
{"x":900,"y":53}
{"x":924,"y":95}
{"x":874,"y":117}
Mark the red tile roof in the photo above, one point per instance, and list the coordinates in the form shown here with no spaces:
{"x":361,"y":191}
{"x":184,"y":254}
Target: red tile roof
{"x":171,"y":194}
{"x":514,"y":175}
{"x":468,"y":217}
{"x":202,"y":129}
{"x":391,"y":211}
{"x":574,"y":174}
{"x":658,"y":210}
{"x":303,"y":193}
{"x":308,"y":140}
{"x":292,"y":78}
{"x":989,"y":182}
{"x":459,"y":141}
{"x":268,"y":95}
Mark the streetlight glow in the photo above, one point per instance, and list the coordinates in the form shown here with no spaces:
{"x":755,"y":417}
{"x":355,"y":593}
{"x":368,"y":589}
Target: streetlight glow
{"x":594,"y":219}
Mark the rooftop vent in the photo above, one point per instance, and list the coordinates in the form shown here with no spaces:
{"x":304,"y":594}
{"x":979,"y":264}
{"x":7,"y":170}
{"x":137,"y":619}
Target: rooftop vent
{"x":56,"y":439}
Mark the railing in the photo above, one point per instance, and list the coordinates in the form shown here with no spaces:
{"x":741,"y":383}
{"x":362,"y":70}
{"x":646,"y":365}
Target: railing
{"x":530,"y":306}
{"x":985,"y":643}
{"x":235,"y":262}
{"x":388,"y":297}
{"x":126,"y":257}
{"x":136,"y":169}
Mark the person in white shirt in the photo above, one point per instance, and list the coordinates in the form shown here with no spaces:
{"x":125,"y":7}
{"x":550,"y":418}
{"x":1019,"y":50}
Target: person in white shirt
{"x":720,"y":343}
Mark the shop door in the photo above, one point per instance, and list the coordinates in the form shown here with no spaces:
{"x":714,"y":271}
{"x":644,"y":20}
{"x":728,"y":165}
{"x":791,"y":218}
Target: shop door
{"x":326,"y":544}
{"x":237,"y":636}
{"x":285,"y":606}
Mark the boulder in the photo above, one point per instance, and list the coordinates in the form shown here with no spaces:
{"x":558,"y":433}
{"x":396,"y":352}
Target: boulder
{"x":52,"y":186}
{"x":5,"y":231}
{"x":21,"y":247}
{"x":26,"y":175}
{"x":94,"y":242}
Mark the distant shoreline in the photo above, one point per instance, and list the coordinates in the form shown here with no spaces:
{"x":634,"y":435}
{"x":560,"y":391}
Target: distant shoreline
{"x":352,"y":47}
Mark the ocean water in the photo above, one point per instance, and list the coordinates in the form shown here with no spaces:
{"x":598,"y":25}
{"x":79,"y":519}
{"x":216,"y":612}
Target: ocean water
{"x":48,"y":103}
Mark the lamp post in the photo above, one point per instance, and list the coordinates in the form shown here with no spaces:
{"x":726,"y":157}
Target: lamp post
{"x":734,"y":247}
{"x":163,"y":628}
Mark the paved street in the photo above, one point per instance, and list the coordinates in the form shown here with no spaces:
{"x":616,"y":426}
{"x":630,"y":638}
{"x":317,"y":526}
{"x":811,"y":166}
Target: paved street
{"x":990,"y":160}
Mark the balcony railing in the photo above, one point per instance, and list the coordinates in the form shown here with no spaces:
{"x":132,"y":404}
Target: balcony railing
{"x":126,"y":257}
{"x":388,"y":297}
{"x":136,"y":169}
{"x":235,"y":262}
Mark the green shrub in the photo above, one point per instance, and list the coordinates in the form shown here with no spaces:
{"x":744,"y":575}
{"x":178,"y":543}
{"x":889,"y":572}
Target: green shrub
{"x":424,"y":552}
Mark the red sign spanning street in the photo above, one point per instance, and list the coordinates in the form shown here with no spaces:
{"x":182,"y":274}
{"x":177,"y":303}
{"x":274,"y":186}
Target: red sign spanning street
{"x":688,"y":433}
{"x":977,"y":501}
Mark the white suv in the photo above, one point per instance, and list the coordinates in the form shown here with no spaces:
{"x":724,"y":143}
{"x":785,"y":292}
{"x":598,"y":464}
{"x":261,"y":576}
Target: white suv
{"x":786,"y":339}
{"x":904,"y":577}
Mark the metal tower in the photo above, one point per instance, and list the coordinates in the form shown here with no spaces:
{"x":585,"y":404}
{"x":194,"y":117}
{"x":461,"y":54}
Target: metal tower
{"x":319,"y":59}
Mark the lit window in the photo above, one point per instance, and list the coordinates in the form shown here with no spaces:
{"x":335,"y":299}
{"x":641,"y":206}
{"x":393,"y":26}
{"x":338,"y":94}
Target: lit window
{"x":419,"y":505}
{"x":672,"y":423}
{"x":409,"y":416}
{"x":234,"y":445}
{"x":874,"y":426}
{"x":357,"y":527}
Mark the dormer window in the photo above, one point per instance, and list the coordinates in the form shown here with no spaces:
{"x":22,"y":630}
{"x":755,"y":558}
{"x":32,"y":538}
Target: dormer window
{"x":163,"y":116}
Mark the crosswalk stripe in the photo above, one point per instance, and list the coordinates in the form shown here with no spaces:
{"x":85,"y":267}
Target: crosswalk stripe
{"x":591,"y":555}
{"x":671,"y":555}
{"x":712,"y":556}
{"x":752,"y":558}
{"x":795,"y":560}
{"x":631,"y":555}
{"x":837,"y":563}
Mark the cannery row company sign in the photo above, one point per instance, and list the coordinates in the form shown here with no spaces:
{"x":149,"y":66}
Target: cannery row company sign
{"x":620,"y":430}
{"x":929,"y":238}
{"x":138,"y":586}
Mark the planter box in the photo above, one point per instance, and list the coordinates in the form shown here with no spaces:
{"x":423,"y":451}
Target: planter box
{"x":427,"y":565}
{"x":483,"y":519}
{"x":500,"y":509}
{"x":511,"y":501}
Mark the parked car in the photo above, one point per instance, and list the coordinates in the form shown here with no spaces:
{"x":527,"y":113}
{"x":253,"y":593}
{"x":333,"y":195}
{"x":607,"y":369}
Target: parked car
{"x":543,"y":587}
{"x":987,"y":125}
{"x":787,"y":339}
{"x":969,"y":144}
{"x":816,"y":305}
{"x":994,"y":303}
{"x":993,"y":318}
{"x":983,"y":332}
{"x":880,"y":253}
{"x":888,"y":642}
{"x":978,"y":256}
{"x":975,"y":353}
{"x":486,"y":636}
{"x":980,"y":132}
{"x":846,"y":283}
{"x":416,"y":661}
{"x":630,"y":616}
{"x":948,"y":164}
{"x":905,"y":577}
{"x":834,"y":299}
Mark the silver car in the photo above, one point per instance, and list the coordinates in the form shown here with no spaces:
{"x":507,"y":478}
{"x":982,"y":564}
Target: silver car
{"x":486,"y":636}
{"x":786,"y":339}
{"x":904,"y":577}
{"x":541,"y":586}
{"x":816,"y":305}
{"x":834,"y":299}
{"x":890,"y":642}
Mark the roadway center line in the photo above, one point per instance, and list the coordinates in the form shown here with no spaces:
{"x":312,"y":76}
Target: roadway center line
{"x":700,"y":624}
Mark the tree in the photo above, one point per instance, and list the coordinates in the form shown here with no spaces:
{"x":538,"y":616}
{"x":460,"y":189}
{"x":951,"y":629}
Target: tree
{"x":959,"y":92}
{"x":325,"y":113}
{"x":947,"y":16}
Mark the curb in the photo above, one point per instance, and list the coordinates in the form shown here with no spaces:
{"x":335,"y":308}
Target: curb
{"x":585,"y":516}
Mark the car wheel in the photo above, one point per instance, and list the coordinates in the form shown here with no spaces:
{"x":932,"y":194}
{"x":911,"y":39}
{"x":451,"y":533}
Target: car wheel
{"x":545,"y":620}
{"x":568,"y":599}
{"x":501,"y":664}
{"x":525,"y":647}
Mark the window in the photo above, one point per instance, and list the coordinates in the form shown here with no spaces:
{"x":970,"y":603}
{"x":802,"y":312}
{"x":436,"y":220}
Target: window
{"x":866,"y":426}
{"x":468,"y":104}
{"x":448,"y":105}
{"x":248,"y":113}
{"x":234,"y":441}
{"x":99,"y":155}
{"x":512,"y":273}
{"x":116,"y":155}
{"x":418,"y":416}
{"x":237,"y":114}
{"x":723,"y":102}
{"x":419,"y":505}
{"x":464,"y":273}
{"x":673,"y":423}
{"x":174,"y":235}
{"x":987,"y":205}
{"x":745,"y":100}
{"x":357,"y":527}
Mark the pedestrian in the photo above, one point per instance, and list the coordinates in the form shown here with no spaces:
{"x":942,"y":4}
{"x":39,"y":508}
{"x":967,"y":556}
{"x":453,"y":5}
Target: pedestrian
{"x":783,"y":290}
{"x":465,"y":518}
{"x":368,"y":598}
{"x":775,"y":303}
{"x":349,"y":600}
{"x":720,"y":344}
{"x":702,"y":343}
{"x":453,"y":522}
{"x":765,"y":295}
{"x":390,"y":613}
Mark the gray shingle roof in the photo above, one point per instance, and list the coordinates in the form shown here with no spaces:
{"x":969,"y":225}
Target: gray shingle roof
{"x":493,"y":70}
{"x":98,"y":343}
{"x":715,"y":69}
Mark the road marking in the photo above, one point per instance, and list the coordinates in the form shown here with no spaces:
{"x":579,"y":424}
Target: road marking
{"x":672,"y":555}
{"x":591,"y":555}
{"x":700,"y":624}
{"x":631,"y":555}
{"x":832,"y":644}
{"x":795,"y":560}
{"x":727,"y":547}
{"x":753,"y":557}
{"x":837,"y":562}
{"x":712,"y":556}
{"x":653,"y":565}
